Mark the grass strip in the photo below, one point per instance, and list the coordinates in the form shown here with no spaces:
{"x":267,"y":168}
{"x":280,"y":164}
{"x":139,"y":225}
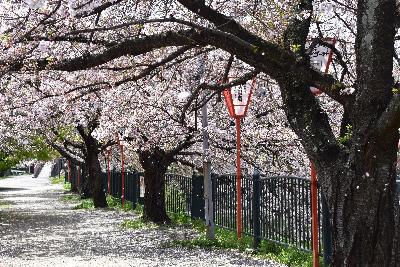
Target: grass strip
{"x":57,"y":180}
{"x":227,"y":239}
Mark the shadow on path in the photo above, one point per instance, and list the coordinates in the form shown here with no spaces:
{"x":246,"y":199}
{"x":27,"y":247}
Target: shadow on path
{"x":37,"y":228}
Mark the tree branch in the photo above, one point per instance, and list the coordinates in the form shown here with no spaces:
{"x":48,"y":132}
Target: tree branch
{"x":390,"y":118}
{"x":98,"y":9}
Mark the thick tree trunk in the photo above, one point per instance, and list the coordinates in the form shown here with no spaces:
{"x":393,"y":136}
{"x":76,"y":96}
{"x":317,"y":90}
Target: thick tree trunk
{"x":94,"y":174}
{"x":155,"y":164}
{"x":358,"y":176}
{"x":92,"y":164}
{"x":359,"y":182}
{"x":363,"y":202}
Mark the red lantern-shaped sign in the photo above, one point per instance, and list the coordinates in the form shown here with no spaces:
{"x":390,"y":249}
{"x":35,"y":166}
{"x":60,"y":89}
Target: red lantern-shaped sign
{"x":321,"y":58}
{"x":237,"y":100}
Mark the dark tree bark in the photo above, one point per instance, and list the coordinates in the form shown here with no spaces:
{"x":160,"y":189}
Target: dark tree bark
{"x":358,"y":177}
{"x":74,"y":173}
{"x":92,"y":163}
{"x":85,"y":188}
{"x":155,"y":164}
{"x":94,"y":172}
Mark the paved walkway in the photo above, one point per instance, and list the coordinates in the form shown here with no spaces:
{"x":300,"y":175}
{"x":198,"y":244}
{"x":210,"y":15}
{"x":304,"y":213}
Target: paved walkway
{"x":37,"y":228}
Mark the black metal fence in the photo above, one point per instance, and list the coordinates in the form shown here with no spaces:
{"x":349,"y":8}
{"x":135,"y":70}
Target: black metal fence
{"x":281,"y":205}
{"x":273,"y":208}
{"x":131,"y":188}
{"x":276,"y":208}
{"x":178,"y":193}
{"x":285,"y":210}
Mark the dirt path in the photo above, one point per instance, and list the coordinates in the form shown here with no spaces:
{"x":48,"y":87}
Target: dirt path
{"x":37,"y":228}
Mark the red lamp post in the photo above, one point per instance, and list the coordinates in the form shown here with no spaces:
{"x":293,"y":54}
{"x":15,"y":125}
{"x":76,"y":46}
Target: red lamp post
{"x":321,"y":59}
{"x":237,"y":100}
{"x":314,"y":214}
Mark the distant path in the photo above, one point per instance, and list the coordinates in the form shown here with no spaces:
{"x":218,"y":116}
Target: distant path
{"x":38,"y":229}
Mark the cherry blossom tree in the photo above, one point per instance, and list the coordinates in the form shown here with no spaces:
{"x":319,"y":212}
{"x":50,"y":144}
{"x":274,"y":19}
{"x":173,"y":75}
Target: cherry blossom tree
{"x":356,"y":170}
{"x":65,"y":121}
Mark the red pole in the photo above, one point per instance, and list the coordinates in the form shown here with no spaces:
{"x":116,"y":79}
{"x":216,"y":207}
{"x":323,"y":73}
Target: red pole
{"x":69,"y":171}
{"x":238,"y":183}
{"x":108,"y":173}
{"x":314,"y":212}
{"x":122,"y":176}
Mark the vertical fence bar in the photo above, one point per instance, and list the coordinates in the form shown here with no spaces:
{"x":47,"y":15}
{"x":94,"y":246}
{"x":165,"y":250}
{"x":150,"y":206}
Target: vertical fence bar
{"x":174,"y":192}
{"x":134,"y":189}
{"x":275,"y":209}
{"x":128,"y":195}
{"x":295,"y":210}
{"x":79,"y":178}
{"x":227,"y":202}
{"x":256,"y":209}
{"x":167,"y":196}
{"x":213,"y":197}
{"x":108,"y":173}
{"x":197,"y":209}
{"x":69,"y":171}
{"x":306,"y":216}
{"x":216,"y":200}
{"x":290,"y":210}
{"x":122,"y":176}
{"x":284,"y":209}
{"x":264,"y":205}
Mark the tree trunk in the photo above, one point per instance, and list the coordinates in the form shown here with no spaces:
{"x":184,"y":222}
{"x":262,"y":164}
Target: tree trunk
{"x":359,"y":182}
{"x":73,"y":175}
{"x":85,"y":188}
{"x":363,"y":202}
{"x":155,"y":164}
{"x":356,"y":176}
{"x":94,"y":174}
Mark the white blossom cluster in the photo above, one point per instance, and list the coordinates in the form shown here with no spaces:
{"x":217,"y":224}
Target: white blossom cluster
{"x":149,"y":101}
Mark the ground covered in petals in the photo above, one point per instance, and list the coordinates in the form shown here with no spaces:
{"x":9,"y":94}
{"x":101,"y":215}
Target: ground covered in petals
{"x":38,"y":228}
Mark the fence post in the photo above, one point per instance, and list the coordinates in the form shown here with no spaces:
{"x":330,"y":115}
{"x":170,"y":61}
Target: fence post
{"x":134,"y":188}
{"x":138,"y":192}
{"x":197,"y":203}
{"x":214,"y":193}
{"x":256,"y":209}
{"x":104,"y":181}
{"x":326,"y":231}
{"x":69,"y":171}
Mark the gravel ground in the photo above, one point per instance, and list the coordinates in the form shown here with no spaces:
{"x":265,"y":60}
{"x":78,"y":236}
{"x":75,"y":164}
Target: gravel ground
{"x":37,"y":228}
